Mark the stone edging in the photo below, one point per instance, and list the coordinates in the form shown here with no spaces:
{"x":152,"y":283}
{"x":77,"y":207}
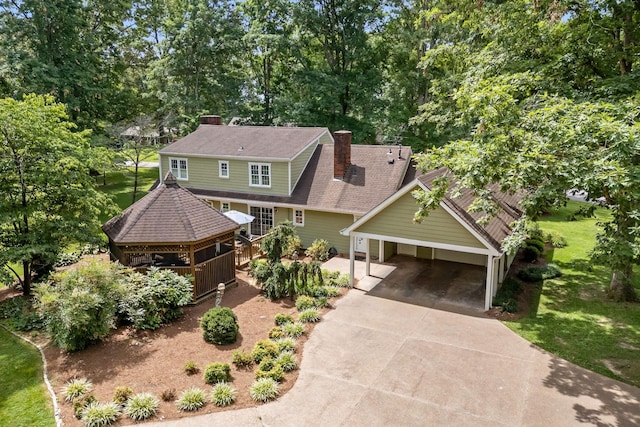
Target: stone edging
{"x":56,"y":409}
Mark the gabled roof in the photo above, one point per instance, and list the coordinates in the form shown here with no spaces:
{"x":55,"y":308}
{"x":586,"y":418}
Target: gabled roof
{"x":369,"y":180}
{"x":254,"y":142}
{"x":168,"y":214}
{"x":493,"y":233}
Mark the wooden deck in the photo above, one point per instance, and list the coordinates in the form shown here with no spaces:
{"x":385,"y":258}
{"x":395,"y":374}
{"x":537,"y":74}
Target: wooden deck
{"x":246,"y":252}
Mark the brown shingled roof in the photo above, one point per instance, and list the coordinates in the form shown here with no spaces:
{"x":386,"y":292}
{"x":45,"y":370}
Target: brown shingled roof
{"x":168,"y":214}
{"x":499,"y":226}
{"x":369,"y":180}
{"x":268,"y":142}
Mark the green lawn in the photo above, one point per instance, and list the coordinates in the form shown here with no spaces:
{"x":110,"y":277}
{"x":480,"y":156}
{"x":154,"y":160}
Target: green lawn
{"x":120,"y":185}
{"x":574,"y":318}
{"x":24,"y":400}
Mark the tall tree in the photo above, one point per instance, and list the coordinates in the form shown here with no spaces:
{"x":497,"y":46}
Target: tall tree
{"x":47,"y":196}
{"x":513,"y":115}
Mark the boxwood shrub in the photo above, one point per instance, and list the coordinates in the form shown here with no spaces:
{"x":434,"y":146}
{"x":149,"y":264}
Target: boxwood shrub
{"x":220,"y":326}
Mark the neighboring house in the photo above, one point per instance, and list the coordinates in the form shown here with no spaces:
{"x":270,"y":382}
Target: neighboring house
{"x":317,"y":180}
{"x":357,"y":197}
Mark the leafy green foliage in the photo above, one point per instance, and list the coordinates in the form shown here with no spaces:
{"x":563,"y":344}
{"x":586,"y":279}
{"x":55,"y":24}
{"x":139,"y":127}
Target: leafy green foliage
{"x":20,"y":315}
{"x":286,"y":344}
{"x":220,"y":326}
{"x":310,"y":315}
{"x":304,"y":302}
{"x":80,"y":403}
{"x":556,"y":239}
{"x":288,"y":361}
{"x":264,"y":390}
{"x":191,"y":399}
{"x":150,"y":300}
{"x":142,"y":406}
{"x":80,"y":308}
{"x":269,"y":368}
{"x":191,"y":367}
{"x":294,"y":330}
{"x":100,"y":414}
{"x":77,"y":387}
{"x":122,"y":394}
{"x":264,"y":349}
{"x":537,"y":274}
{"x":275,"y":243}
{"x":319,"y":250}
{"x":223,"y":394}
{"x":535,"y":242}
{"x":217,"y":372}
{"x":530,"y":253}
{"x":507,"y":295}
{"x":242,"y":359}
{"x":282,"y":318}
{"x":276,"y":332}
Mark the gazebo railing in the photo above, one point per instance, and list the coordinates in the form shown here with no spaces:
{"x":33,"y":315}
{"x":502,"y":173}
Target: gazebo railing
{"x":220,"y":269}
{"x":245,"y":253}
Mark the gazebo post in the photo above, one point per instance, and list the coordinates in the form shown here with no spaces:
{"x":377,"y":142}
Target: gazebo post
{"x":192,"y":263}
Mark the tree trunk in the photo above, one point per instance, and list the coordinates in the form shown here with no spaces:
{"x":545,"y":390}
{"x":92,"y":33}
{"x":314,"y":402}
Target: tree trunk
{"x":26,"y":282}
{"x":621,"y":288}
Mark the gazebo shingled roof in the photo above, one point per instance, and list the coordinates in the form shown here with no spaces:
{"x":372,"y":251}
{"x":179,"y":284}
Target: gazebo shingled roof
{"x":168,"y":214}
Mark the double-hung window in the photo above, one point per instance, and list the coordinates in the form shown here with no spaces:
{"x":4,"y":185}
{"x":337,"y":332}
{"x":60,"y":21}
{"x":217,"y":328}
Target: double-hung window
{"x":298,"y":217}
{"x":223,"y":169}
{"x":260,"y":174}
{"x":179,"y":168}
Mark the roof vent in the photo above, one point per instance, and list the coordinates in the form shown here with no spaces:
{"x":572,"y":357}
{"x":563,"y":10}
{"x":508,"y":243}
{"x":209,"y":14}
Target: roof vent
{"x":399,"y":151}
{"x":390,"y":159}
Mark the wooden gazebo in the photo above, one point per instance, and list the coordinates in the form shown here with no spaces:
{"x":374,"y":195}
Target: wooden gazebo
{"x":171,"y":228}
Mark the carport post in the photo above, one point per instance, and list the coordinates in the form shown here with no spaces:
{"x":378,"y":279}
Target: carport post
{"x":489,"y":285}
{"x":367,"y":270}
{"x":352,"y":261}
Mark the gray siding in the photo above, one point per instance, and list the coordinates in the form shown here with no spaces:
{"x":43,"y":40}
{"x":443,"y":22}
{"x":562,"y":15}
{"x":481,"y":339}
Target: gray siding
{"x":203,"y":174}
{"x":440,"y":227}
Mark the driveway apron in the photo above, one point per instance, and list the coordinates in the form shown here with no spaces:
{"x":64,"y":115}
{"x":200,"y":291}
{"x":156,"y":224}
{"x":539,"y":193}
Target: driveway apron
{"x":378,"y":362}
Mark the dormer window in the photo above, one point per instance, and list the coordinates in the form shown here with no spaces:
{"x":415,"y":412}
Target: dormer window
{"x":223,"y":169}
{"x":260,"y":174}
{"x":179,"y":168}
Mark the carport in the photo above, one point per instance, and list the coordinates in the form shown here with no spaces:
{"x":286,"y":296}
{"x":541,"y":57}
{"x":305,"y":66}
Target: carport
{"x":448,"y":233}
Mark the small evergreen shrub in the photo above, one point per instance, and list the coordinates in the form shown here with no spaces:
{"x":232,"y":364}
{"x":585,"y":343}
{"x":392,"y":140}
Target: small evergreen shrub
{"x":288,"y":361}
{"x":320,"y":302}
{"x":100,"y":414}
{"x":122,"y":394}
{"x":330,"y":276}
{"x":304,"y":302}
{"x":75,"y":388}
{"x":220,"y":326}
{"x":310,"y":315}
{"x":264,"y":348}
{"x":168,"y":395}
{"x":191,"y":367}
{"x":217,"y":372}
{"x":223,"y":394}
{"x":332,"y":291}
{"x":537,"y":243}
{"x":292,"y":245}
{"x":276,"y":332}
{"x":286,"y":344}
{"x":344,"y":281}
{"x":142,"y":406}
{"x":80,"y":403}
{"x":319,"y":250}
{"x":537,"y":274}
{"x":191,"y":399}
{"x":294,"y":330}
{"x":242,"y":359}
{"x":264,"y":390}
{"x":282,"y":318}
{"x":268,"y":368}
{"x":507,"y":295}
{"x":530,"y":253}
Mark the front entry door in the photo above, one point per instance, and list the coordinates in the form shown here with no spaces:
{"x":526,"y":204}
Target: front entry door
{"x":361,"y":244}
{"x":263,"y":221}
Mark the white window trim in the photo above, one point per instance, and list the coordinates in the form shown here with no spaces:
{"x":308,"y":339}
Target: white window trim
{"x":260,"y":165}
{"x":298,"y":224}
{"x":179,"y":159}
{"x":222,"y":202}
{"x":220,"y":163}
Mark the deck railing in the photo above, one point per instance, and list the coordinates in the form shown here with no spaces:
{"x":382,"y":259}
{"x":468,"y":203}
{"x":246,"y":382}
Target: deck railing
{"x":246,"y":252}
{"x":212,"y":272}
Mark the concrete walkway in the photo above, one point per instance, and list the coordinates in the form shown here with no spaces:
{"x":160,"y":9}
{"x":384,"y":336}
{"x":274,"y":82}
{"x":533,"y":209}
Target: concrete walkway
{"x":377,"y":362}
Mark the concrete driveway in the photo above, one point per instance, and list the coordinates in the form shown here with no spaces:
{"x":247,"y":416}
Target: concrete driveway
{"x":377,"y":362}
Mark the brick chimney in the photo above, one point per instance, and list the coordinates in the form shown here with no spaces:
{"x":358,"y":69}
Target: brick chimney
{"x":341,"y":153}
{"x":211,"y":120}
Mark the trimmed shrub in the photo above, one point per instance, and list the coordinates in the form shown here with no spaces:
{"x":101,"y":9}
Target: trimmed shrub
{"x":321,"y":302}
{"x":79,"y":308}
{"x":168,"y":395}
{"x":319,"y":250}
{"x":293,"y":244}
{"x":288,"y":361}
{"x":75,"y":388}
{"x":264,"y":349}
{"x":344,"y":281}
{"x":270,"y":369}
{"x":330,"y":275}
{"x":223,"y":394}
{"x":264,"y":390}
{"x":530,"y":253}
{"x":294,"y":330}
{"x":121,"y":395}
{"x":276,"y":332}
{"x":242,"y":359}
{"x":191,"y":367}
{"x":537,"y":274}
{"x":304,"y":302}
{"x":142,"y":406}
{"x":507,"y":295}
{"x":217,"y":372}
{"x":310,"y":315}
{"x":282,"y":318}
{"x":220,"y":326}
{"x":100,"y":414}
{"x":151,"y":300}
{"x":191,"y":399}
{"x":286,"y":344}
{"x":332,"y":291}
{"x":80,"y":403}
{"x":537,"y":243}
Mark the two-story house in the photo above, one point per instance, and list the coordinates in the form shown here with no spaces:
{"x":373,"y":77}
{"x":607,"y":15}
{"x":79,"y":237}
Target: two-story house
{"x":317,"y":180}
